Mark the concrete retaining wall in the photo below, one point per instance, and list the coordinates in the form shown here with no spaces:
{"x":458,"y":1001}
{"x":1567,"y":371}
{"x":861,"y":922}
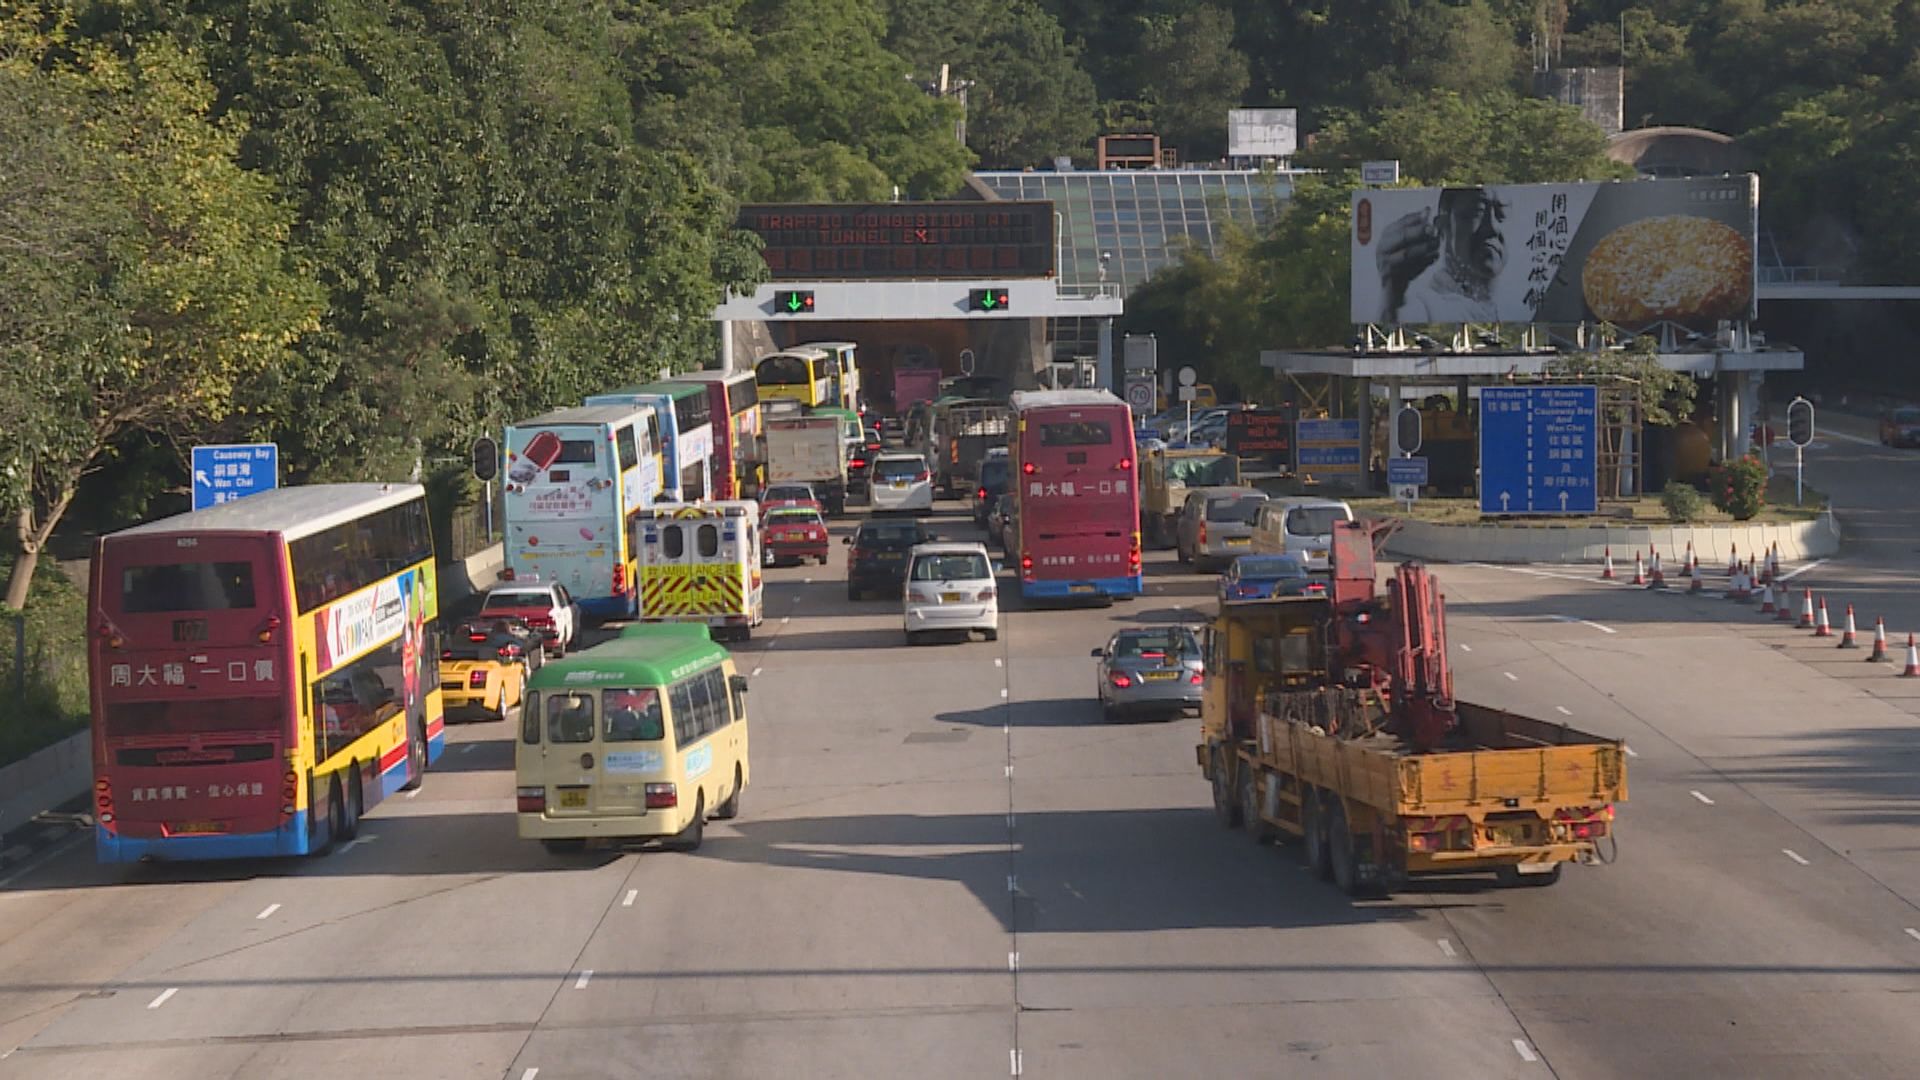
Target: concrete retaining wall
{"x":462,"y":580}
{"x":44,"y":780}
{"x":1713,"y":544}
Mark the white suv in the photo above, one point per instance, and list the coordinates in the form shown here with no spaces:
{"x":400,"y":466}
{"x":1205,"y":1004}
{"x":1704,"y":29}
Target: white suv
{"x":900,"y":481}
{"x":546,"y":606}
{"x":951,"y":587}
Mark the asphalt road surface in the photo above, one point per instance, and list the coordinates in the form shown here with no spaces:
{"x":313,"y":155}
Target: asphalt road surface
{"x":949,"y":866}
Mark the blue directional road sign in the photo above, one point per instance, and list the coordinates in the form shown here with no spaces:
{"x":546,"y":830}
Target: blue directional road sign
{"x":1328,"y":446}
{"x":1538,"y":449}
{"x":222,"y":474}
{"x":1407,"y":470}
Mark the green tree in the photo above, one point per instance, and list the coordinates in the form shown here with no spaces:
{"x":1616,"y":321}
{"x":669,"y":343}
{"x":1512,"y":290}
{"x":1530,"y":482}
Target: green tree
{"x":1193,"y":75}
{"x":1028,"y":101}
{"x":189,"y":290}
{"x":1496,"y":138}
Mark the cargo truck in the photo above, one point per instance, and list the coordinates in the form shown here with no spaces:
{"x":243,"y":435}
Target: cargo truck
{"x":1331,"y":720}
{"x":1166,"y":476}
{"x":961,"y":434}
{"x":809,"y":449}
{"x":912,"y":385}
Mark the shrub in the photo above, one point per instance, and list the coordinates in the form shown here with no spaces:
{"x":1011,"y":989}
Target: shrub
{"x":1683,"y":502}
{"x":1739,"y":487}
{"x":54,"y":702}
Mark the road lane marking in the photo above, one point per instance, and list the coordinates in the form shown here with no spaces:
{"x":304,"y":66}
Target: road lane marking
{"x":468,"y":747}
{"x":1464,"y":647}
{"x":1013,"y":883}
{"x":585,"y":978}
{"x":356,"y":842}
{"x":632,"y":895}
{"x":162,"y":999}
{"x":529,"y":1074}
{"x":1446,"y":947}
{"x":805,"y":581}
{"x":56,"y":851}
{"x":1797,"y":571}
{"x":1009,"y":770}
{"x":1511,"y":676}
{"x":268,"y":913}
{"x":1532,"y":572}
{"x":1013,"y":1060}
{"x":1003,"y":691}
{"x":756,"y":673}
{"x":1013,"y":961}
{"x":1701,"y":797}
{"x":1009,"y":821}
{"x":1525,"y":1051}
{"x":1795,"y":856}
{"x":1583,"y":622}
{"x":1564,"y":711}
{"x":1912,"y":933}
{"x":785,"y":620}
{"x":415,"y":793}
{"x":996,"y":661}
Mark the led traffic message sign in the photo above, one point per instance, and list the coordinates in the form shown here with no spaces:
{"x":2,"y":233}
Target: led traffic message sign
{"x":861,"y":241}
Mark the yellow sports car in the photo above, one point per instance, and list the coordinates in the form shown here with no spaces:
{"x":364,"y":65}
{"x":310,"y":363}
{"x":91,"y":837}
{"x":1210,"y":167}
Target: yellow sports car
{"x":484,"y":667}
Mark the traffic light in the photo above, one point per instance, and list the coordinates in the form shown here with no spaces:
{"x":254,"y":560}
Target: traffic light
{"x":1407,"y":431}
{"x":988,"y":300}
{"x":486,"y":458}
{"x":1800,"y":422}
{"x":793,"y":302}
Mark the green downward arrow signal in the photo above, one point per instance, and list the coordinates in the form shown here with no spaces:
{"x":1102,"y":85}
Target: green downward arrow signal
{"x":793,"y":301}
{"x":987,"y":301}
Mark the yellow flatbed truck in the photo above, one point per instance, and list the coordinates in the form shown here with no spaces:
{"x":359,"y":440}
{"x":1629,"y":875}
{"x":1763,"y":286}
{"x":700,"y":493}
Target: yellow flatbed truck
{"x":1301,"y":743}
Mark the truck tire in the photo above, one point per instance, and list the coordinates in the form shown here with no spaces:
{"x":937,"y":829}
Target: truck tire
{"x":1343,"y":852}
{"x":1313,"y":848}
{"x":1257,"y":828}
{"x":1225,"y":806}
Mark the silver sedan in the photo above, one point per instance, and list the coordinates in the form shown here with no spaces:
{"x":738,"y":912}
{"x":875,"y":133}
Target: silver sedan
{"x":1150,"y":669}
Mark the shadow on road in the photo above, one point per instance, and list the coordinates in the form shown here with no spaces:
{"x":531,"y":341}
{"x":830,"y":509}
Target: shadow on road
{"x":1867,"y":775}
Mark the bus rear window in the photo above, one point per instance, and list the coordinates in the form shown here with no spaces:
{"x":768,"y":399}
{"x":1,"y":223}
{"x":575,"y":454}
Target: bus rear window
{"x":633,"y":715}
{"x":198,"y":716}
{"x":196,"y":586}
{"x":575,"y":452}
{"x":1077,"y":433}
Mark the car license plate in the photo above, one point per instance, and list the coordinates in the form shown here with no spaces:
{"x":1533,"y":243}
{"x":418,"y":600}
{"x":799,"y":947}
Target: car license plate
{"x":949,"y":597}
{"x":1080,"y":588}
{"x":1239,"y":541}
{"x":900,"y":485}
{"x":1511,"y":835}
{"x":1158,"y":676}
{"x":1318,"y":554}
{"x":573,"y":798}
{"x":196,"y":828}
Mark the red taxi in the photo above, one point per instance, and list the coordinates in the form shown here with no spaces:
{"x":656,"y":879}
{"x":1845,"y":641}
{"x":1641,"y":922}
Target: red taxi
{"x":545,"y":606}
{"x":793,"y":532}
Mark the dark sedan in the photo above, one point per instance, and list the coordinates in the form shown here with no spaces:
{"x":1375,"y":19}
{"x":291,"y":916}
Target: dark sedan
{"x":1901,"y":427}
{"x":878,"y":561}
{"x":1263,"y":577}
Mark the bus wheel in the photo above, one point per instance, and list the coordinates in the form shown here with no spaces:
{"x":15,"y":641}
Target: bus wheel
{"x":355,"y":806}
{"x":417,"y":755}
{"x":730,"y":809}
{"x":688,"y":839}
{"x":564,"y":847}
{"x":336,"y":814}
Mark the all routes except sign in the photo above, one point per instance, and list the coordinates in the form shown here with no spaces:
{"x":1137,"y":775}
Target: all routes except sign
{"x":222,"y":474}
{"x":1538,"y":449}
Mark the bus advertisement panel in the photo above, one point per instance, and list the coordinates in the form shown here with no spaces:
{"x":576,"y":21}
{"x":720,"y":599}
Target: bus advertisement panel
{"x":1076,"y":500}
{"x":570,"y":481}
{"x":263,"y":672}
{"x":734,"y":402}
{"x":800,"y":375}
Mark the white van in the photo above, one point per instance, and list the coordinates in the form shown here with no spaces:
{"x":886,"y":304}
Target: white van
{"x":1300,"y":526}
{"x":700,"y":563}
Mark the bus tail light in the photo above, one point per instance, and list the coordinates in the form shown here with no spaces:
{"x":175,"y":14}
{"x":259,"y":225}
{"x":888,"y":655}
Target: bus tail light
{"x":980,"y":494}
{"x":662,"y":796}
{"x":507,"y":574}
{"x":289,"y":790}
{"x":1126,"y":464}
{"x":1028,"y":468}
{"x":530,"y":800}
{"x":103,"y":801}
{"x":620,"y":579}
{"x":268,"y":629}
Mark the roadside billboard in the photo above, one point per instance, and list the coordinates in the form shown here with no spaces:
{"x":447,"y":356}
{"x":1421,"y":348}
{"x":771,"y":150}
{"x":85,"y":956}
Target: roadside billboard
{"x":1631,"y":253}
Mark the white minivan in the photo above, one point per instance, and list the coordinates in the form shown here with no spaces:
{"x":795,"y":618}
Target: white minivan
{"x":951,"y":586}
{"x":1300,"y":526}
{"x":900,"y":481}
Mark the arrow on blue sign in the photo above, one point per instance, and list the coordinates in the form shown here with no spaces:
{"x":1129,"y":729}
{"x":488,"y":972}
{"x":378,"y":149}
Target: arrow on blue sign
{"x":1539,"y":449}
{"x":222,"y":474}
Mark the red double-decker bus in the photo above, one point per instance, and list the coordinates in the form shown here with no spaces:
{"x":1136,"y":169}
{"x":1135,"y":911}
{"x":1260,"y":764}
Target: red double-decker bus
{"x":737,"y":470}
{"x":1076,"y":502}
{"x":263,"y":672}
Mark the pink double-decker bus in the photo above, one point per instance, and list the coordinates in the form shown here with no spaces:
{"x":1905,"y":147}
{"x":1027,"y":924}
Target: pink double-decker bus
{"x":263,"y":672}
{"x":1076,"y":502}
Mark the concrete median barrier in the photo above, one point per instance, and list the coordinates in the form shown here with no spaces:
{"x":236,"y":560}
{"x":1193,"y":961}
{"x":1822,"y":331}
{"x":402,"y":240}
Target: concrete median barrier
{"x":1713,"y":545}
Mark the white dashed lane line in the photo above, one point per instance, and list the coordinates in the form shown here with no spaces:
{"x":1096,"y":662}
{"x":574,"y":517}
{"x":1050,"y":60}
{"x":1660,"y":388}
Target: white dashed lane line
{"x":1511,"y":677}
{"x":1701,"y":797}
{"x":268,"y":913}
{"x":585,"y":978}
{"x":162,"y":999}
{"x":1526,"y":1052}
{"x":1795,"y":856}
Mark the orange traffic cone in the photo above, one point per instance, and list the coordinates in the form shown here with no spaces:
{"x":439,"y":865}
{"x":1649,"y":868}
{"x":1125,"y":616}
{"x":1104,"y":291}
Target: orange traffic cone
{"x":1879,"y":641}
{"x":1740,"y":588}
{"x":1847,"y":640}
{"x":1773,"y":562}
{"x":1639,"y":570}
{"x":1687,"y":567}
{"x":1766,"y":601}
{"x":1806,"y":611}
{"x":1606,"y":572}
{"x":1823,"y":628}
{"x":1659,"y":579}
{"x":1733,"y":558}
{"x":1697,"y":584}
{"x":1913,"y":658}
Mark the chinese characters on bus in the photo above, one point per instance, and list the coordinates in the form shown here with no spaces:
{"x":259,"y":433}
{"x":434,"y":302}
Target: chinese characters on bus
{"x":1068,"y":489}
{"x":236,"y":671}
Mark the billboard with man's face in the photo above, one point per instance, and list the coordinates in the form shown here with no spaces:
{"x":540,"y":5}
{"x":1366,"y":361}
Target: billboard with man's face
{"x":1631,"y":253}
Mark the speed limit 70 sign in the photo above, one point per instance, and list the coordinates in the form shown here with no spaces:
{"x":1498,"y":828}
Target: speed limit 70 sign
{"x":1140,"y":395}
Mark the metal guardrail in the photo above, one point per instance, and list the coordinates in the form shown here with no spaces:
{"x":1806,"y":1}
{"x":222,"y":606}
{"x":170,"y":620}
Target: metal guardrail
{"x":1800,"y":275}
